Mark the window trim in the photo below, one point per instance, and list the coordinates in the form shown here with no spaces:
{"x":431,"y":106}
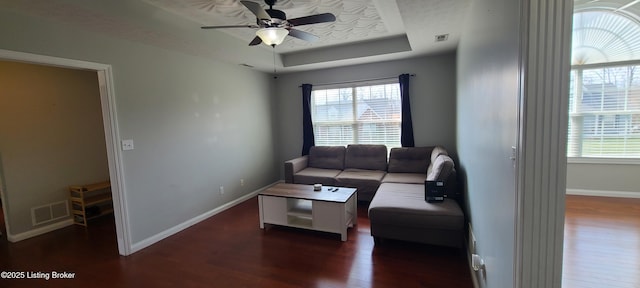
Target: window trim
{"x":606,"y":65}
{"x":603,"y":160}
{"x":600,"y":160}
{"x":576,"y":91}
{"x":354,"y":123}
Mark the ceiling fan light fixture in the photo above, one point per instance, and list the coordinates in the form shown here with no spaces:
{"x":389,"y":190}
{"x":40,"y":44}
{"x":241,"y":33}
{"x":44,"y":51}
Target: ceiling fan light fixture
{"x":272,"y":35}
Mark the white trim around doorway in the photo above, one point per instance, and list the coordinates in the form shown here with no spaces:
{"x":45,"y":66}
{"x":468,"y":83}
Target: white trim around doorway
{"x":110,"y":123}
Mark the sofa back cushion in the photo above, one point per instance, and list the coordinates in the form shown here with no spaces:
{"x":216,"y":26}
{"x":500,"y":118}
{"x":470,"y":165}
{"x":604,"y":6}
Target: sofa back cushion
{"x":441,"y":168}
{"x":327,"y":157}
{"x":366,"y":156}
{"x":437,"y":151}
{"x":409,"y":159}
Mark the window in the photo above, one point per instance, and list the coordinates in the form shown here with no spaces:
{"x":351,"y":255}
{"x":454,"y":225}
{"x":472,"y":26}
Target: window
{"x":605,"y":120}
{"x":357,"y":115}
{"x":604,"y":96}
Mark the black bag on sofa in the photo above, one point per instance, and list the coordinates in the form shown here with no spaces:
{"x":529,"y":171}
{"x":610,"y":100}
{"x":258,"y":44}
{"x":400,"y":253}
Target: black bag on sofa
{"x":434,"y":191}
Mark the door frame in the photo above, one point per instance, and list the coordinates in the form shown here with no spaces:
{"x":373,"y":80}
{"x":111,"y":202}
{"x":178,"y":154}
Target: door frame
{"x":111,"y":133}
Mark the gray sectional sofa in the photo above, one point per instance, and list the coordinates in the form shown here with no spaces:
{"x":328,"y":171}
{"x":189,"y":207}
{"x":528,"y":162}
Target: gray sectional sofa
{"x":395,"y":188}
{"x":357,"y":166}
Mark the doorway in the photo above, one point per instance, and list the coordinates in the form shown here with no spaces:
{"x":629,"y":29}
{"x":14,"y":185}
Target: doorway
{"x":110,"y":135}
{"x":602,"y":205}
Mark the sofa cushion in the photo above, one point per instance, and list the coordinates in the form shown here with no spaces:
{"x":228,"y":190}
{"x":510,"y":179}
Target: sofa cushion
{"x":437,"y":151}
{"x":414,"y":178}
{"x":403,"y":205}
{"x":327,"y":157}
{"x":311,"y":175}
{"x":366,"y":181}
{"x":360,"y":176}
{"x":365,"y":156}
{"x":409,"y":159}
{"x":441,"y":168}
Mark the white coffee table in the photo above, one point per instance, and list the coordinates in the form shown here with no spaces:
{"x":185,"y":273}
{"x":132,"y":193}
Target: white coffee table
{"x":298,"y":205}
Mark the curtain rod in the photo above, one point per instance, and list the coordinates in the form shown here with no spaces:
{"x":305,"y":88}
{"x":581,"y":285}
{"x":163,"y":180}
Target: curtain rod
{"x":356,"y":81}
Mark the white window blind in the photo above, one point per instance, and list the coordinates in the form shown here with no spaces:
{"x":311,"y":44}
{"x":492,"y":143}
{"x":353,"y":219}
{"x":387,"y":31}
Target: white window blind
{"x":604,"y":112}
{"x":357,"y":115}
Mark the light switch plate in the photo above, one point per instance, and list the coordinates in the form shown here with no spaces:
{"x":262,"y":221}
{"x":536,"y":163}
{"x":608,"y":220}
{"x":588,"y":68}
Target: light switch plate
{"x":127,"y":144}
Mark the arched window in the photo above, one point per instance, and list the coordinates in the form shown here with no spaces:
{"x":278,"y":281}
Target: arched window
{"x":604,"y":37}
{"x":604,"y":98}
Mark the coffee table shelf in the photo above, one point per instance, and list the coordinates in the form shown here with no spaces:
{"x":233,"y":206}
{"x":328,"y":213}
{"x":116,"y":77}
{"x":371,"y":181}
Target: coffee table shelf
{"x":299,"y":222}
{"x":297,"y":205}
{"x":300,"y":208}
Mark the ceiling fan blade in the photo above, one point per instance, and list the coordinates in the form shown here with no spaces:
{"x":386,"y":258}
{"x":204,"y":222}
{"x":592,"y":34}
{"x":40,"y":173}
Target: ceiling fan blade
{"x":313,"y":19}
{"x":230,"y":26}
{"x":256,"y":9}
{"x":306,"y":36}
{"x":255,"y":41}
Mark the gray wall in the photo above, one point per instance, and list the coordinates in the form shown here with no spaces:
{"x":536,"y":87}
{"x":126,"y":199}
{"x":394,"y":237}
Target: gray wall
{"x":604,"y":177}
{"x":51,"y":136}
{"x":486,"y":131}
{"x":432,"y":93}
{"x":197,"y":123}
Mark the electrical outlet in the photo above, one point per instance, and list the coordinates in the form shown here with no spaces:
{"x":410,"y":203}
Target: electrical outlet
{"x":221,"y":190}
{"x":241,"y":182}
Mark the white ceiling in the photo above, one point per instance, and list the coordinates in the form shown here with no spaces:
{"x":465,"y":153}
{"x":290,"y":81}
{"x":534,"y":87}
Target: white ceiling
{"x":365,"y":30}
{"x":357,"y":20}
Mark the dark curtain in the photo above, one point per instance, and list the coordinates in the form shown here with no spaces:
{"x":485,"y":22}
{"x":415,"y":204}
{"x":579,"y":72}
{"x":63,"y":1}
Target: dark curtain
{"x":406,"y":130}
{"x":307,"y":125}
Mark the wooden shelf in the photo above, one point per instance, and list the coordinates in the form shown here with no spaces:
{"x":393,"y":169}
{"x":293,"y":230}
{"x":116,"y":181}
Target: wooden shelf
{"x":98,"y":199}
{"x":300,"y":222}
{"x":91,"y":187}
{"x":90,"y":201}
{"x":102,"y":213}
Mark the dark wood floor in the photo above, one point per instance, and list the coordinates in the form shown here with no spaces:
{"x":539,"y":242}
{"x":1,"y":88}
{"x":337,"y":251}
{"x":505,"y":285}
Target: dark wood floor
{"x":229,"y":250}
{"x":602,"y":242}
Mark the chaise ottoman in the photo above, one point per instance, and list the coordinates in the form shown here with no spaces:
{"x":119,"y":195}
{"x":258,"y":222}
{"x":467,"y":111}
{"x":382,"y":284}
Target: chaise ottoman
{"x":399,"y":211}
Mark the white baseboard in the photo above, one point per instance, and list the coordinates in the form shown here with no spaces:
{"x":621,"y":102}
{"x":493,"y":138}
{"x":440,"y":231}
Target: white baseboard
{"x":603,"y":193}
{"x":195,"y":220}
{"x":39,"y":231}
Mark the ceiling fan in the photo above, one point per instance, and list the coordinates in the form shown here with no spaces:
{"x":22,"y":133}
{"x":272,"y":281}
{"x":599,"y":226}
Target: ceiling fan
{"x":274,"y":26}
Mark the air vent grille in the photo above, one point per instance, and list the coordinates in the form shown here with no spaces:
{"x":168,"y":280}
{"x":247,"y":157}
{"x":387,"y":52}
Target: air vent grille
{"x":442,"y":37}
{"x":49,"y":212}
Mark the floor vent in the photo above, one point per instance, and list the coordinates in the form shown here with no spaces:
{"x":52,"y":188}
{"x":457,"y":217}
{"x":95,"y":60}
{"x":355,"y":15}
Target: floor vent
{"x":49,"y":212}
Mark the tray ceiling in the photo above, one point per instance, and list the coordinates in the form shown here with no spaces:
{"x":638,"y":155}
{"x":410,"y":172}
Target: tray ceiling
{"x":365,"y":30}
{"x":356,"y":20}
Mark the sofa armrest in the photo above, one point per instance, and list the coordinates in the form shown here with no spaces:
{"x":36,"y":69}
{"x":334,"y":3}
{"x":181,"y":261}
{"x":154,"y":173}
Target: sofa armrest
{"x":294,"y":166}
